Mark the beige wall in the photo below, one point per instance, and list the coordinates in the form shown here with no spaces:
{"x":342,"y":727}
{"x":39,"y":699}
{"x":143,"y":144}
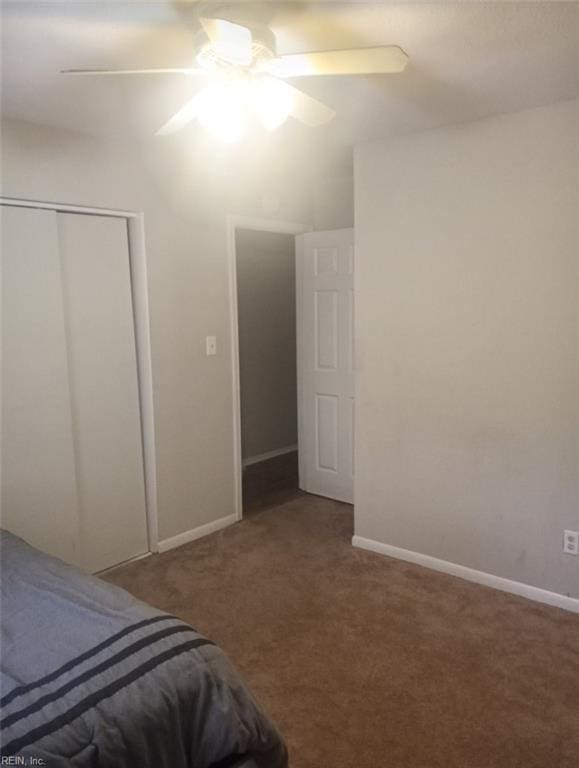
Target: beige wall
{"x":466,"y":323}
{"x":266,"y":291}
{"x":185,"y":191}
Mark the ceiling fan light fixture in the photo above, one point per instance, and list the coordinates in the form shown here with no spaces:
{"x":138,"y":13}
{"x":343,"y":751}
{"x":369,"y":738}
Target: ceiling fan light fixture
{"x":245,"y":70}
{"x":228,"y":42}
{"x":272,"y":101}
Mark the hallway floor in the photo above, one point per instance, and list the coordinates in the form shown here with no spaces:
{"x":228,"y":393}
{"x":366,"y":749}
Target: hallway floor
{"x":270,"y":483}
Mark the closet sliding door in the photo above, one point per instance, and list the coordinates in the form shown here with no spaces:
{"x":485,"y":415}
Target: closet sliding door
{"x":39,"y":492}
{"x":72,"y":463}
{"x":98,"y":313}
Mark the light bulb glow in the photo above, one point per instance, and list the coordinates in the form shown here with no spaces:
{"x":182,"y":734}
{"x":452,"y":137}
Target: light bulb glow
{"x":272,"y":101}
{"x":222,"y":110}
{"x":225,"y":106}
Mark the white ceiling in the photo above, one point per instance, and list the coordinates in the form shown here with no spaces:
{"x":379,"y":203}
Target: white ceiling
{"x":467,"y":60}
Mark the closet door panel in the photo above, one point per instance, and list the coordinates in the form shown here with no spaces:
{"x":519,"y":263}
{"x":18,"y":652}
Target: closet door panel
{"x":39,"y":493}
{"x":105,"y":397}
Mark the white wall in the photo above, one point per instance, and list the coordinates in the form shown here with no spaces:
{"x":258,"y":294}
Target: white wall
{"x":333,"y":202}
{"x":466,"y":333}
{"x":266,"y":300}
{"x":185,"y":191}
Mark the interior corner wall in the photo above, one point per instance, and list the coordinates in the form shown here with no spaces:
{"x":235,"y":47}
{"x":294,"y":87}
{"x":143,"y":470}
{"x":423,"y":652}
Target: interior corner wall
{"x":466,"y":333}
{"x":185,"y":205}
{"x":333,"y":202}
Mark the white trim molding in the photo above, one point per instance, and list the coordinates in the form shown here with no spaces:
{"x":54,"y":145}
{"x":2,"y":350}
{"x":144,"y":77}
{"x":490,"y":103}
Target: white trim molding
{"x":66,"y":207}
{"x":260,"y":225}
{"x":470,"y":574}
{"x":125,"y":562}
{"x":196,"y":533}
{"x":269,"y":455}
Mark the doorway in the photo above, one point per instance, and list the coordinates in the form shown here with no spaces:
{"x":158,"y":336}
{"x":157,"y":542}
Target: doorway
{"x":266,"y":320}
{"x":323,"y":298}
{"x":263,"y":324}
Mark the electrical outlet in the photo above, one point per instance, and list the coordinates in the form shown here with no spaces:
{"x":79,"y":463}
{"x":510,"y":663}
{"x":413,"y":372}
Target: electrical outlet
{"x":571,"y":542}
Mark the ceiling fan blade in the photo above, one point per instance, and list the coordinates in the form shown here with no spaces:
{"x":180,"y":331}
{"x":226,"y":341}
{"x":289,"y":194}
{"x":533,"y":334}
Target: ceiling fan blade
{"x":233,"y":42}
{"x":183,"y":71}
{"x":188,"y":112}
{"x":308,"y":110}
{"x":354,"y":61}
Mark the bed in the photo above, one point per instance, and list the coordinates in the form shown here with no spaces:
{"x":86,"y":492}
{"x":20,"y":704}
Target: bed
{"x":93,"y":677}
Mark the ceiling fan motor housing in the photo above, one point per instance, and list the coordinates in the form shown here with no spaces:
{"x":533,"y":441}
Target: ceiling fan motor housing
{"x":263,"y":49}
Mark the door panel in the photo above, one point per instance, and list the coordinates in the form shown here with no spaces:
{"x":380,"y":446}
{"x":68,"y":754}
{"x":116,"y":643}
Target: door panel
{"x":39,"y":492}
{"x":105,"y":396}
{"x":326,"y":261}
{"x":325,"y":306}
{"x":327,"y":432}
{"x":326,"y":330}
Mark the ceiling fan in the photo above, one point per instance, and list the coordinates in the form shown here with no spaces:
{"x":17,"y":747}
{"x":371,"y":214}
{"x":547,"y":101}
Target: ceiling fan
{"x":245,"y":75}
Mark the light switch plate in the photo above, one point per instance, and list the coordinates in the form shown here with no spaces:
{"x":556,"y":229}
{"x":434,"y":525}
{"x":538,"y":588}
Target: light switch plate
{"x":571,"y":542}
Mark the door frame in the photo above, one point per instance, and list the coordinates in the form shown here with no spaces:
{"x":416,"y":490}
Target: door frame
{"x":140,"y":296}
{"x":234,"y":223}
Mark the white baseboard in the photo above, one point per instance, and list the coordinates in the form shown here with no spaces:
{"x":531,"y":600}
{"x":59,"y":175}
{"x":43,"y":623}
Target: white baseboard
{"x":120,"y":565}
{"x":470,"y":574}
{"x":196,"y":533}
{"x":268,"y":455}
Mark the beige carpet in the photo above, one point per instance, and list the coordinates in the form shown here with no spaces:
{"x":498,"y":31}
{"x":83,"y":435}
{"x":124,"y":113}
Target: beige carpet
{"x":368,"y":662}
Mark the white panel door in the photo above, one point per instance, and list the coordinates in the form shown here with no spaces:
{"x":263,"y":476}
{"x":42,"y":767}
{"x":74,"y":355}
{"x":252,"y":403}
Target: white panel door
{"x":325,"y":315}
{"x":99,"y":320}
{"x":39,"y":491}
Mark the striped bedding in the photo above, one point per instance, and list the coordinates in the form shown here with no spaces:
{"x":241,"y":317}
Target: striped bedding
{"x":93,"y":677}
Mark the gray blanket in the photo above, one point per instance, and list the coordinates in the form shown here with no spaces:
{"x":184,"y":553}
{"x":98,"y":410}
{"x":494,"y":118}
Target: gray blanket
{"x":93,"y":677}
